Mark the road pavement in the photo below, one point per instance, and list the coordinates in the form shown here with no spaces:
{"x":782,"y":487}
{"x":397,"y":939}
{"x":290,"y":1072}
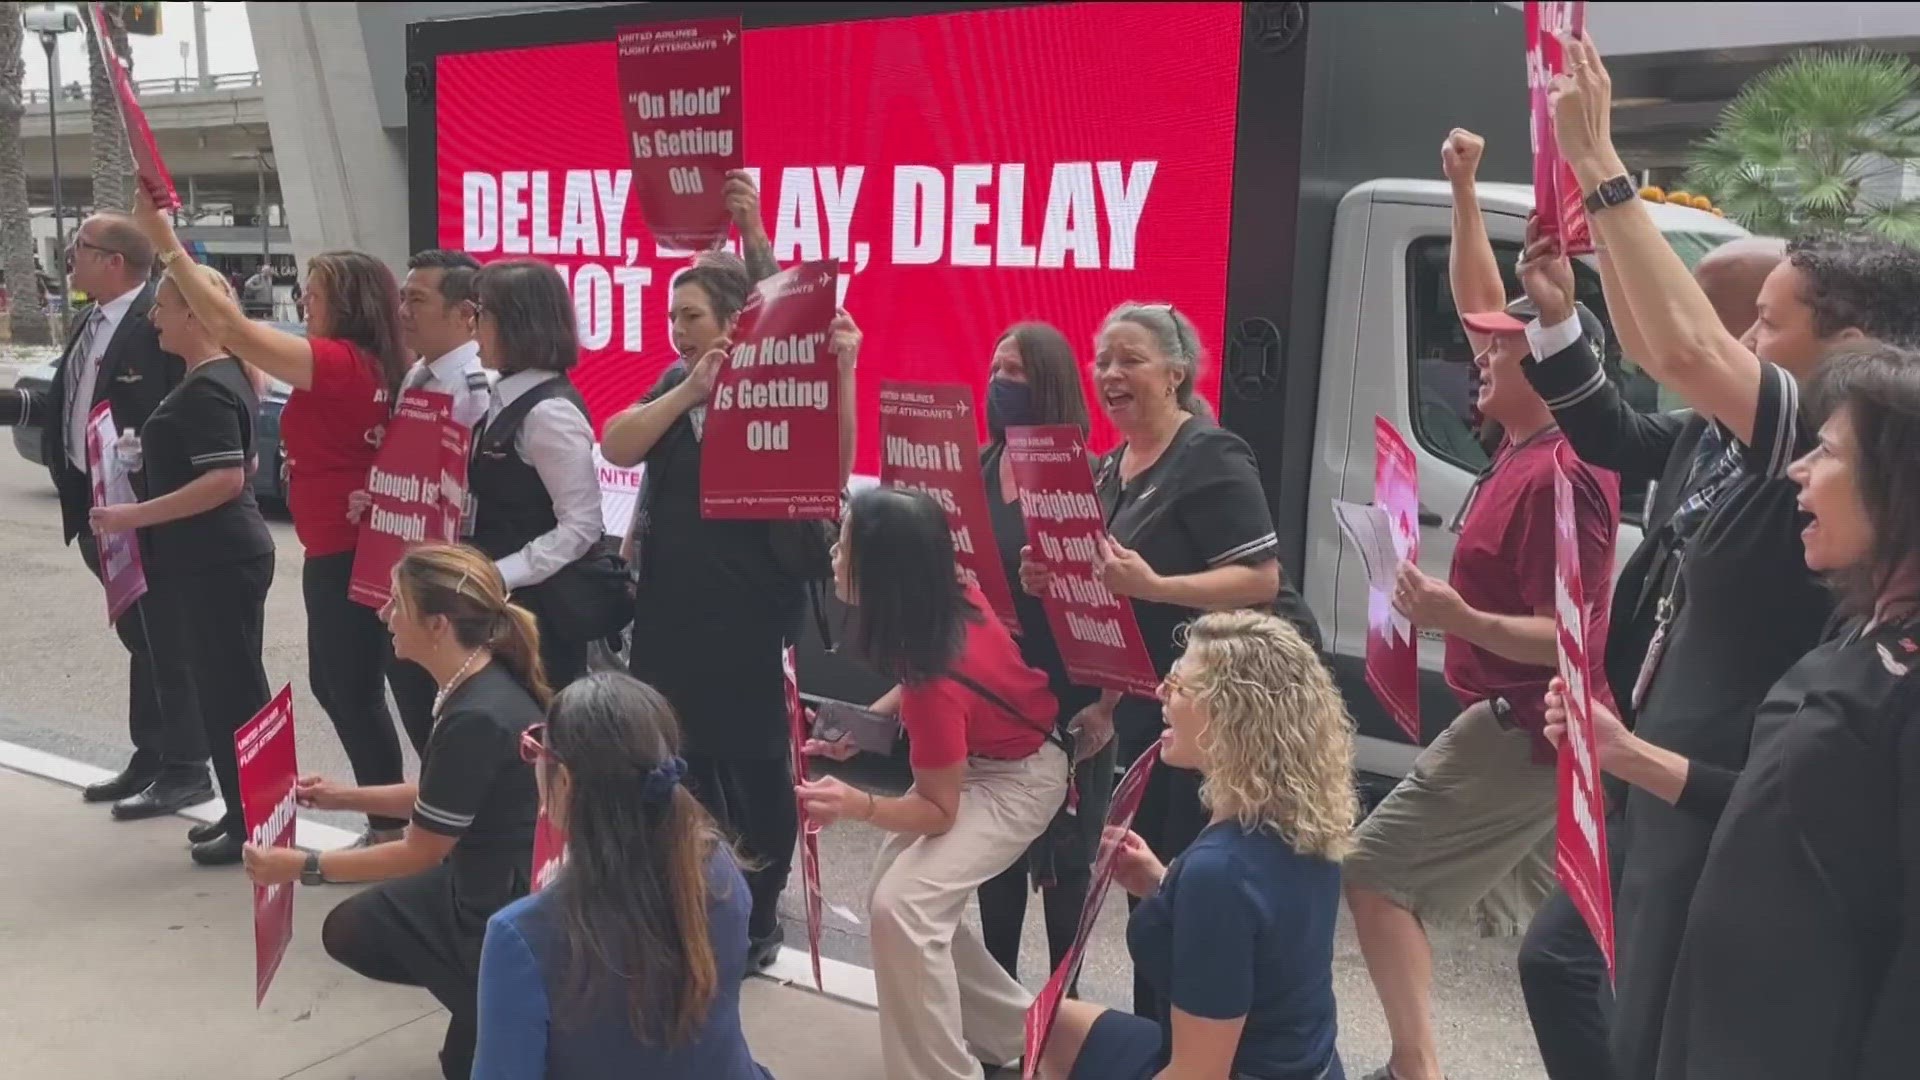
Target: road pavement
{"x":63,"y":690}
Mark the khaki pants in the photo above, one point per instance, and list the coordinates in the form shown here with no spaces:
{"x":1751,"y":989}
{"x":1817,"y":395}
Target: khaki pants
{"x":945,"y":1003}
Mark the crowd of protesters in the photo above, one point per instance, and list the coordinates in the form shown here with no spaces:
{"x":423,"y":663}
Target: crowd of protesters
{"x":1751,"y":699}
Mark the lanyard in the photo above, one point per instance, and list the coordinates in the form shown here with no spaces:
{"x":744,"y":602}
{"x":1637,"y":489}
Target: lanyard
{"x":1460,"y":516}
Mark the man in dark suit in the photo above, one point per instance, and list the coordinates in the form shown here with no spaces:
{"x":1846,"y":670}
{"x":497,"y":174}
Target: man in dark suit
{"x":113,"y":355}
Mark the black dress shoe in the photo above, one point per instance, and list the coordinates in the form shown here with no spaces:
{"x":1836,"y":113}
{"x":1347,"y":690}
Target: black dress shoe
{"x":131,"y":781}
{"x":212,"y":830}
{"x":167,"y":795}
{"x":762,"y":952}
{"x":224,"y":851}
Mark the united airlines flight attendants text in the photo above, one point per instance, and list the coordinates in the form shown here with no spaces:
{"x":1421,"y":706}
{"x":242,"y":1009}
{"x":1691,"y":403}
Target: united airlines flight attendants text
{"x":988,"y":775}
{"x":715,"y":606}
{"x":1236,"y":936}
{"x":536,"y":492}
{"x":344,"y":375}
{"x":1189,"y":532}
{"x":209,"y":554}
{"x":630,"y":962}
{"x":469,"y":849}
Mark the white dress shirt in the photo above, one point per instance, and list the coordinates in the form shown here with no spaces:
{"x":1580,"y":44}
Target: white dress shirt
{"x":557,"y":441}
{"x":460,"y":375}
{"x":80,"y":408}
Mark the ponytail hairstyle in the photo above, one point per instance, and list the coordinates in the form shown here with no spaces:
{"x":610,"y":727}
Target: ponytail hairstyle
{"x":1178,"y":343}
{"x":461,"y":585}
{"x":632,"y":898}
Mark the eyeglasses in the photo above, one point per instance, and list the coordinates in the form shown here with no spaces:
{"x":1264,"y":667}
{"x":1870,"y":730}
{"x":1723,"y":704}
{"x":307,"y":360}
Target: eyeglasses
{"x":533,"y":745}
{"x":79,"y":242}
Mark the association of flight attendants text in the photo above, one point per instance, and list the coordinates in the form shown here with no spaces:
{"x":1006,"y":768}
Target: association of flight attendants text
{"x":269,"y":832}
{"x":959,"y":215}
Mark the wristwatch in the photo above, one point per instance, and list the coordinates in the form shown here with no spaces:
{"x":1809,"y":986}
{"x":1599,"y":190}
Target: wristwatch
{"x":310,"y":873}
{"x":168,"y":256}
{"x":1611,"y":193}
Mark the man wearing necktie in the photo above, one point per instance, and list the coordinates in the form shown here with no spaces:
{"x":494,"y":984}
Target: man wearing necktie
{"x":113,"y":355}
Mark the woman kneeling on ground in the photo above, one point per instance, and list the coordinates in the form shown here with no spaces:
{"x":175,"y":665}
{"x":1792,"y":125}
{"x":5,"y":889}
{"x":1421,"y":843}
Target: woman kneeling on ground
{"x":469,"y":849}
{"x":1237,"y":935}
{"x":630,"y":963}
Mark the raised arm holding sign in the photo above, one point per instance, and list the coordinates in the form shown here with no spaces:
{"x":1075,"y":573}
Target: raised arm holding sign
{"x":1557,"y":196}
{"x":680,"y":97}
{"x":151,"y":170}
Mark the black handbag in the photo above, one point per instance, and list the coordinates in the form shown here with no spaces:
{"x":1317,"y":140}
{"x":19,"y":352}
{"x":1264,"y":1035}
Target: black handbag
{"x":590,"y":599}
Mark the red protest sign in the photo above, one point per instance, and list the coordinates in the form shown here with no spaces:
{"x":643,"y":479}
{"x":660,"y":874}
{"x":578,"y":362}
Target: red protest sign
{"x":680,"y":97}
{"x":1046,"y":1004}
{"x":771,"y":444}
{"x":407,"y":484}
{"x":264,"y":748}
{"x":121,"y":571}
{"x":1557,"y":197}
{"x":456,"y":446}
{"x":809,"y":829}
{"x":1580,"y":849}
{"x":931,"y":442}
{"x":1393,"y":649}
{"x":549,"y":850}
{"x":152,"y":171}
{"x":1098,"y":635}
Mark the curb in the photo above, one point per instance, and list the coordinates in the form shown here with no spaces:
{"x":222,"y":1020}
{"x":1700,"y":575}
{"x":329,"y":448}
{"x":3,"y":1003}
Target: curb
{"x":842,"y":981}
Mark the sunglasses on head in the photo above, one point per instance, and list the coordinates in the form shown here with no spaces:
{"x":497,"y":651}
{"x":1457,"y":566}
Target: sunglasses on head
{"x":533,"y":745}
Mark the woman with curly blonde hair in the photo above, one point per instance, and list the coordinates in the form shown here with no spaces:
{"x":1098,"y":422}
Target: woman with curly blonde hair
{"x":1237,"y":935}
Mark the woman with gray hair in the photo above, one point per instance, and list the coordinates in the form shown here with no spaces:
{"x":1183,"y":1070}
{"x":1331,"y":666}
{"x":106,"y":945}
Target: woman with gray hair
{"x":1188,"y":532}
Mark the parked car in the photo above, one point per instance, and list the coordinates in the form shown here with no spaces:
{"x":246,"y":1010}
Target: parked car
{"x":269,"y":479}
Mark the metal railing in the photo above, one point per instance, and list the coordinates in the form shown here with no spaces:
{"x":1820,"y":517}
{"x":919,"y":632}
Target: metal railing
{"x":80,"y":91}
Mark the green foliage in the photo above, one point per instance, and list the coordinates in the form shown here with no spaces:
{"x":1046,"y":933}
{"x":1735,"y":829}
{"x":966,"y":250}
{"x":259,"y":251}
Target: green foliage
{"x":1792,"y":151}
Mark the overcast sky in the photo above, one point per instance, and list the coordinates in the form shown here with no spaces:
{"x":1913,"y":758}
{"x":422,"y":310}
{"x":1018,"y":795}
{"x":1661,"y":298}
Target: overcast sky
{"x":229,"y":46}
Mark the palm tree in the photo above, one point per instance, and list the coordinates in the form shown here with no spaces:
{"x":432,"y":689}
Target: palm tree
{"x":112,"y":164}
{"x":1805,"y":144}
{"x":28,"y":316}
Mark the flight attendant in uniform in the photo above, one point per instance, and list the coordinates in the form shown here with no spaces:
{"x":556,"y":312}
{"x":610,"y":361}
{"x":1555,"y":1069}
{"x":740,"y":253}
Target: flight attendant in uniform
{"x":113,"y":355}
{"x":209,"y":554}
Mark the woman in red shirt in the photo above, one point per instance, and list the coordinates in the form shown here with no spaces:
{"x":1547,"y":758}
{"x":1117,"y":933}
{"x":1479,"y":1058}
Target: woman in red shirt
{"x":987,"y":778}
{"x":344,"y":376}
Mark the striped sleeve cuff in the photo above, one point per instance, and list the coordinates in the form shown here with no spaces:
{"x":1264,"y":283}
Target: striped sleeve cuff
{"x":435,"y":820}
{"x":1243,"y":552}
{"x":1563,"y":377}
{"x":220,"y":459}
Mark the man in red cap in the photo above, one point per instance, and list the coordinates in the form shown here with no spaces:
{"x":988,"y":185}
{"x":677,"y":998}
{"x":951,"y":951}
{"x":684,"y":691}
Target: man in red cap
{"x":1468,"y":836}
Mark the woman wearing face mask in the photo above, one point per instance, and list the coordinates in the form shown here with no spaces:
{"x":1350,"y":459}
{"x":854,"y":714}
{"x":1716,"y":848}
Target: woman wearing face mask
{"x":1188,"y":532}
{"x":1036,"y":380}
{"x":1801,"y":955}
{"x":209,"y":554}
{"x":714,"y":606}
{"x":630,"y":963}
{"x":1237,"y":935}
{"x":988,"y":774}
{"x":469,"y":850}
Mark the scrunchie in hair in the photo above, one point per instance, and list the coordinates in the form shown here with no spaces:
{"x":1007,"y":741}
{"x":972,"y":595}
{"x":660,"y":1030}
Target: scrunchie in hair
{"x":657,"y":784}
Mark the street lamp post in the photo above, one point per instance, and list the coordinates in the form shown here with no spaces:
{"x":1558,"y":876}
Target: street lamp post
{"x":50,"y":41}
{"x":261,"y":164}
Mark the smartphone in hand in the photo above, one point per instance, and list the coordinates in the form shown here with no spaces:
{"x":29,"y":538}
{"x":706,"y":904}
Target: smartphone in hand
{"x":872,"y":732}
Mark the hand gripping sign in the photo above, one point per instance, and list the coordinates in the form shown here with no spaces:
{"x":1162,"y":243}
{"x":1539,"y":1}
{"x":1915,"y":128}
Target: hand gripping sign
{"x":151,"y":170}
{"x":121,"y":571}
{"x":771,"y":445}
{"x":680,"y":98}
{"x":265,"y":751}
{"x":1046,"y":1005}
{"x":1098,"y":635}
{"x":408,"y":483}
{"x":931,"y":441}
{"x":1557,"y":197}
{"x":1386,"y":535}
{"x":1580,"y":850}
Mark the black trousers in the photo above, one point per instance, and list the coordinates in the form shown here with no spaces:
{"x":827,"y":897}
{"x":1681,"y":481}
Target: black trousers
{"x":752,"y":799}
{"x":348,"y":649}
{"x":412,"y":932}
{"x":564,"y":660}
{"x":163,"y":714}
{"x":215,"y":626}
{"x":1003,"y":900}
{"x":1564,"y":978}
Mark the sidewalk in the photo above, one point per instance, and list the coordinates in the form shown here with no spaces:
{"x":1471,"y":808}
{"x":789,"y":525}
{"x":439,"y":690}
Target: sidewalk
{"x":122,"y":959}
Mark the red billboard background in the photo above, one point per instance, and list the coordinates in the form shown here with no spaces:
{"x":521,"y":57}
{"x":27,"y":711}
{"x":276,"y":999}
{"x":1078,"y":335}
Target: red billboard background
{"x":1121,"y":157}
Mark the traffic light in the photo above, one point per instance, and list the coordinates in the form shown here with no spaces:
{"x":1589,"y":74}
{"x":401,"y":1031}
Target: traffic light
{"x":141,"y":19}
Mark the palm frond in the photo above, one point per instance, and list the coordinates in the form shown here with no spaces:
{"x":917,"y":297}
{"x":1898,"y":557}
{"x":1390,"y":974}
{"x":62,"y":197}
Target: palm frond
{"x":1899,"y":220}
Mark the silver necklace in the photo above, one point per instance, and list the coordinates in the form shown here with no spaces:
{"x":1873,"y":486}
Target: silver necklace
{"x":440,"y":699}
